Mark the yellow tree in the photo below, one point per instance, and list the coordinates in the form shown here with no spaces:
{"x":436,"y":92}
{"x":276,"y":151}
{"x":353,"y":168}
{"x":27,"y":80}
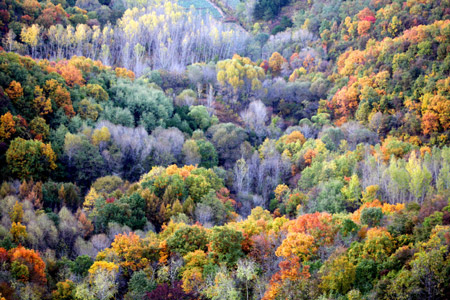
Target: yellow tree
{"x":14,"y":90}
{"x":18,"y":232}
{"x":89,"y":200}
{"x":42,"y":105}
{"x":7,"y":126}
{"x":30,"y":35}
{"x":16,"y":214}
{"x":297,"y":244}
{"x":338,"y":275}
{"x":276,"y":62}
{"x":101,"y":136}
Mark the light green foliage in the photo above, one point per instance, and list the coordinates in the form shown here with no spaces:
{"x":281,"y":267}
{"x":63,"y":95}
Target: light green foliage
{"x":201,"y":117}
{"x":149,"y":107}
{"x":224,"y":287}
{"x":352,"y":192}
{"x":330,"y":198}
{"x":420,"y":178}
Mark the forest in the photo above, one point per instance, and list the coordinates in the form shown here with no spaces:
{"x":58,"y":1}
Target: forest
{"x":224,"y":149}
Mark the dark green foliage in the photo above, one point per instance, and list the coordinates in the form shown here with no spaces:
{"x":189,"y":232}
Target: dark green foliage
{"x":139,"y":285}
{"x":226,"y":244}
{"x":81,"y":265}
{"x":188,"y":239}
{"x":348,"y":227}
{"x":208,"y":153}
{"x":128,"y":210}
{"x":366,"y":272}
{"x":371,"y":216}
{"x":86,"y":164}
{"x":268,"y":9}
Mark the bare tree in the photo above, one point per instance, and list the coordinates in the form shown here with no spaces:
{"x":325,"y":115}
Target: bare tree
{"x":255,"y":117}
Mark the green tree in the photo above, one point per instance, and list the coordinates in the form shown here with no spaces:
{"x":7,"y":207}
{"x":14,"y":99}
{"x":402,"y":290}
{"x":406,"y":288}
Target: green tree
{"x":30,"y":159}
{"x":139,"y":285}
{"x":188,"y":239}
{"x":80,"y":266}
{"x":208,"y":153}
{"x":201,"y":117}
{"x":227,"y":139}
{"x":371,"y":216}
{"x":149,"y":107}
{"x":226,"y":245}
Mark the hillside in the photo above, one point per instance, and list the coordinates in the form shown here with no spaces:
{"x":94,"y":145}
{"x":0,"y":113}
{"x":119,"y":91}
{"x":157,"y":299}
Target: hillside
{"x":224,"y":149}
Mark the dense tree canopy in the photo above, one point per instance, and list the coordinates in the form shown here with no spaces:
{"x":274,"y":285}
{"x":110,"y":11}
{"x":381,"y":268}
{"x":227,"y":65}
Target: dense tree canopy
{"x":229,"y":149}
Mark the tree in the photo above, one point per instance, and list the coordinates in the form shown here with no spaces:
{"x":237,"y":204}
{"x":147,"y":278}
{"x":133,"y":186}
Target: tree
{"x":97,"y":92}
{"x":39,"y":129}
{"x":65,"y":290}
{"x":420,"y":178}
{"x":30,"y":35}
{"x":255,"y":117}
{"x":208,"y":153}
{"x":81,"y":265}
{"x":194,"y":269}
{"x":16,"y":214}
{"x":188,"y":239}
{"x":42,"y":104}
{"x":246,"y":270}
{"x":101,"y":136}
{"x":30,"y":158}
{"x":128,"y":210}
{"x":139,"y":285}
{"x":32,"y":260}
{"x":149,"y":107}
{"x":227,"y":138}
{"x":276,"y":62}
{"x":191,"y":153}
{"x":186,"y":97}
{"x":239,"y":75}
{"x":107,"y":184}
{"x":201,"y":116}
{"x":371,"y":216}
{"x":88,"y":109}
{"x":71,"y":74}
{"x":217,"y":212}
{"x":60,"y":95}
{"x":338,"y":275}
{"x":224,"y":287}
{"x":290,"y":281}
{"x":7,"y":126}
{"x":225,"y":244}
{"x":14,"y":91}
{"x":84,"y":160}
{"x":297,"y":244}
{"x":166,"y":292}
{"x":330,"y":198}
{"x":18,"y":232}
{"x":364,"y":27}
{"x":103,"y":277}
